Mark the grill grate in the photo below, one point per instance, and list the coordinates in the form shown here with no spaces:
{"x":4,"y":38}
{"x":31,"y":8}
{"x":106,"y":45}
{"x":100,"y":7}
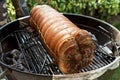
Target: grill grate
{"x":35,"y":56}
{"x":36,"y":60}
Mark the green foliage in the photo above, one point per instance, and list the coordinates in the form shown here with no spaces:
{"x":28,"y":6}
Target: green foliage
{"x":10,"y":9}
{"x":108,"y":8}
{"x":103,"y":9}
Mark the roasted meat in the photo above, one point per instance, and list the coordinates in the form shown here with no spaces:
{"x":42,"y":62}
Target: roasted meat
{"x":72,"y":48}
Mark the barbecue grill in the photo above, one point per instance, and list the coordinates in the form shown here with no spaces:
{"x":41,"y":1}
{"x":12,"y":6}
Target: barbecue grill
{"x":23,"y":56}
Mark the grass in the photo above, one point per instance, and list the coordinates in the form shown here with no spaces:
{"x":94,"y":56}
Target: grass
{"x":116,"y":75}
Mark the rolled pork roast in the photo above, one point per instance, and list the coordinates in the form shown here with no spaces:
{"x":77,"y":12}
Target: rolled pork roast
{"x":71,"y":48}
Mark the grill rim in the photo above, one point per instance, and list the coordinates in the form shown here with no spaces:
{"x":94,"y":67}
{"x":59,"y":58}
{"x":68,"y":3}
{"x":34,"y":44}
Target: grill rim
{"x":45,"y":75}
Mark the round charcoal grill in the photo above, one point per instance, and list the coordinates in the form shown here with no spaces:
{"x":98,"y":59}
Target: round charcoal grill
{"x":23,"y":55}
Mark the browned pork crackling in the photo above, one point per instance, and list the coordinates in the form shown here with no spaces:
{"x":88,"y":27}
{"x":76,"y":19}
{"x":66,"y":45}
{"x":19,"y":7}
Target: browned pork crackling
{"x":72,"y":48}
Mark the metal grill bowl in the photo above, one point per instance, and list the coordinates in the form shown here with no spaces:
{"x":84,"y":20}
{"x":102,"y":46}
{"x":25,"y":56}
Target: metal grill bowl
{"x":103,"y":31}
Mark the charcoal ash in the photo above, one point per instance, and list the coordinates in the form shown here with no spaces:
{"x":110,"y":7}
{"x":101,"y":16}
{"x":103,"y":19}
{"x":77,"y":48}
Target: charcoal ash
{"x":14,"y":58}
